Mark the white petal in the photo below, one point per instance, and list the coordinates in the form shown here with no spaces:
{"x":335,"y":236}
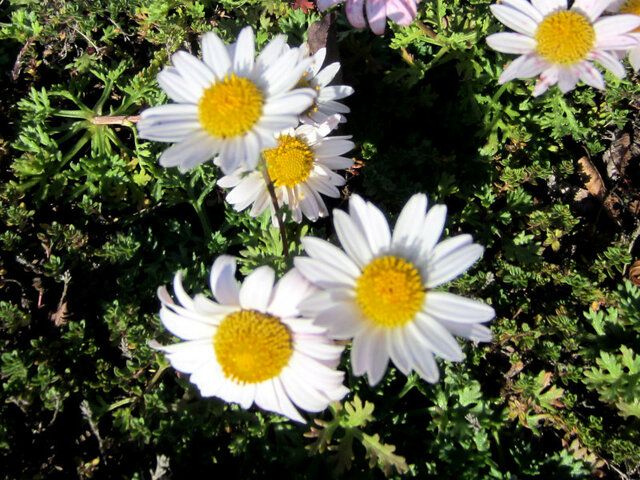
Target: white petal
{"x":324,"y":77}
{"x":439,"y":339}
{"x":455,"y":308}
{"x":410,"y":221}
{"x":525,"y":66}
{"x":444,"y":268}
{"x":215,"y":55}
{"x":515,"y":19}
{"x":195,"y":149}
{"x":547,"y":78}
{"x":372,"y":222}
{"x":255,"y":292}
{"x":328,"y":253}
{"x":472,"y":331}
{"x":545,"y":7}
{"x":186,"y":357}
{"x":184,"y":327}
{"x":322,"y":274}
{"x":508,"y":42}
{"x":192,"y":70}
{"x":353,"y":240}
{"x":432,"y":228}
{"x":567,"y":78}
{"x":172,"y":83}
{"x":615,"y":25}
{"x":421,"y":357}
{"x":288,"y":292}
{"x":223,"y":281}
{"x":592,"y":8}
{"x":301,"y":392}
{"x":343,"y":320}
{"x":398,"y":351}
{"x":609,"y":61}
{"x":525,"y":7}
{"x":244,"y":53}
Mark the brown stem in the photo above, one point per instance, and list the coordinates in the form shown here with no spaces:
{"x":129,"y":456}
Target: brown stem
{"x":274,"y":201}
{"x":115,"y":120}
{"x":16,"y":66}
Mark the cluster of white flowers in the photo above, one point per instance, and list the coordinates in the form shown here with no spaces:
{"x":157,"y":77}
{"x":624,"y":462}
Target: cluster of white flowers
{"x":235,"y":108}
{"x":273,"y":343}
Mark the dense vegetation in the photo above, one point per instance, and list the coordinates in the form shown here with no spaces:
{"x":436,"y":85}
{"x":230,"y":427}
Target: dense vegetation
{"x":91,"y":225}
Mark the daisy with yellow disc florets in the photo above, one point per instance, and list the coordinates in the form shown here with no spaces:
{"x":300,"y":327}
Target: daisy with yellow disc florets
{"x":230,"y":105}
{"x":380,"y":289}
{"x":250,"y":344}
{"x":631,"y":7}
{"x":325,"y":104}
{"x":559,"y":43}
{"x":301,"y":168}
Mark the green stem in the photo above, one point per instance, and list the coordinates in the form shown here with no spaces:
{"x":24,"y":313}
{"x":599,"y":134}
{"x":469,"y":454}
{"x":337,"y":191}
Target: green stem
{"x":274,"y":202}
{"x":197,"y":206}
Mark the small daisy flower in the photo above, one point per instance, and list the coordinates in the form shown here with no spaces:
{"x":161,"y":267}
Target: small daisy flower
{"x":318,"y":78}
{"x":401,"y":12}
{"x":630,"y":7}
{"x":559,"y":44}
{"x":301,"y":168}
{"x":230,"y":104}
{"x":379,"y":290}
{"x":250,"y":345}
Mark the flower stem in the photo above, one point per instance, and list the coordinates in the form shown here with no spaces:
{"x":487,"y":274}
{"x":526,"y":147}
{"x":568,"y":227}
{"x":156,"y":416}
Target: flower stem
{"x":274,"y":202}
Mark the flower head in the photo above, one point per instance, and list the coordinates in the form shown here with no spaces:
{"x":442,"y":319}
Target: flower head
{"x":250,"y":344}
{"x":559,"y":43}
{"x":325,"y":104}
{"x":230,"y":104}
{"x":379,"y":290}
{"x":301,"y":168}
{"x":630,"y":7}
{"x":401,"y":12}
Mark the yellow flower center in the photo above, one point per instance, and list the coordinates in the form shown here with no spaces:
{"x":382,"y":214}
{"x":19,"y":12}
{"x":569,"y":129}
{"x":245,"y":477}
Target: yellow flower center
{"x":565,"y":37}
{"x":230,"y":108}
{"x":252,"y":347}
{"x":631,"y":6}
{"x":390,"y":291}
{"x":290,"y":163}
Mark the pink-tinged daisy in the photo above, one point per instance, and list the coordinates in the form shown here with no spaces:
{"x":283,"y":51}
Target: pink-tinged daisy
{"x":230,"y":104}
{"x":559,"y":44}
{"x":325,"y":104}
{"x":250,"y":344}
{"x":301,"y":168}
{"x":631,"y":7}
{"x":380,"y":289}
{"x":401,"y":12}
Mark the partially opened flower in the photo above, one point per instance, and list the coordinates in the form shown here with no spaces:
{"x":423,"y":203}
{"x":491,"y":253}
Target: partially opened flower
{"x":401,"y":12}
{"x":559,"y":44}
{"x":250,"y":345}
{"x":380,"y":289}
{"x":325,"y":104}
{"x":230,"y":104}
{"x":631,"y":7}
{"x":301,"y":168}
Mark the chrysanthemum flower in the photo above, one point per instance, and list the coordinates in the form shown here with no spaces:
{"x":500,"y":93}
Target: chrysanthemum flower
{"x":401,"y":12}
{"x":380,"y":292}
{"x":559,"y":44}
{"x":301,"y":168}
{"x":250,"y":344}
{"x":230,"y":104}
{"x":318,"y":78}
{"x":630,"y":7}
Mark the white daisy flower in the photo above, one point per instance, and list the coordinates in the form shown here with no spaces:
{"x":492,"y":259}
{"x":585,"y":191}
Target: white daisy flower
{"x":250,"y":344}
{"x":631,"y":7}
{"x":230,"y":104}
{"x":301,"y":168}
{"x":318,"y":78}
{"x":380,"y":292}
{"x":559,"y":44}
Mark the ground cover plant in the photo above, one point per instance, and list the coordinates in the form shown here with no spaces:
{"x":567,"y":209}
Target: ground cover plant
{"x":108,"y":242}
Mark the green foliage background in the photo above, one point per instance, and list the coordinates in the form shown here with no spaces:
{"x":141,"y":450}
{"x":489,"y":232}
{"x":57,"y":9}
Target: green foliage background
{"x":91,"y":226}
